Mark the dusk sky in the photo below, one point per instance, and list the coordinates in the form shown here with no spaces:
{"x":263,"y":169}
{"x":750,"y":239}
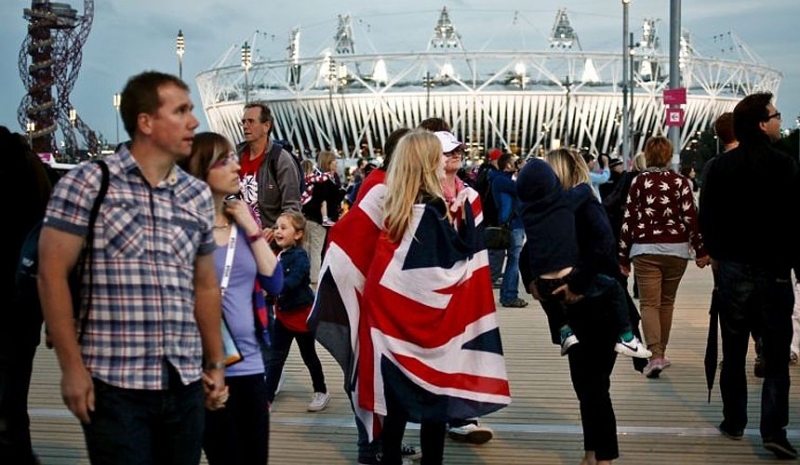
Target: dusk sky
{"x":128,"y":37}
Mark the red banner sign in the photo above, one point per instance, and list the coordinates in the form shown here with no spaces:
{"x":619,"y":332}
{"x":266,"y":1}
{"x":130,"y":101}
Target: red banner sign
{"x":674,"y":117}
{"x":675,"y":96}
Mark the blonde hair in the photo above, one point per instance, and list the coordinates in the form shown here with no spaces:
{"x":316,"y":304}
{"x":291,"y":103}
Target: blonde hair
{"x":324,"y":160}
{"x":307,"y":166}
{"x":298,"y":222}
{"x":414,"y":169}
{"x":639,"y":163}
{"x":569,"y":166}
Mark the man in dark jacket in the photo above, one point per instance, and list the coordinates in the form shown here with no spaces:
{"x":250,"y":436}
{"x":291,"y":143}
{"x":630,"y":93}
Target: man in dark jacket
{"x":747,"y":210}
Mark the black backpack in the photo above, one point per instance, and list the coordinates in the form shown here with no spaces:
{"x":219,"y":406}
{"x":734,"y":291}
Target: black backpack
{"x":26,"y":297}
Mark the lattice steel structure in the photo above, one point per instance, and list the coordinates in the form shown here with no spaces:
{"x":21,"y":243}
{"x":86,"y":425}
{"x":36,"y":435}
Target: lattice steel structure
{"x":524,"y":101}
{"x":49,"y":60}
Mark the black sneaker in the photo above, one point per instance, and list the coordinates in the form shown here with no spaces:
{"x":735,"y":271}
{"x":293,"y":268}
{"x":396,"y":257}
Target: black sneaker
{"x":781,"y":448}
{"x":730,"y":433}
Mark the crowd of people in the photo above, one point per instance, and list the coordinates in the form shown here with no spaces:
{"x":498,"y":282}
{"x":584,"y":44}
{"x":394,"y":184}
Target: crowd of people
{"x":208,"y":259}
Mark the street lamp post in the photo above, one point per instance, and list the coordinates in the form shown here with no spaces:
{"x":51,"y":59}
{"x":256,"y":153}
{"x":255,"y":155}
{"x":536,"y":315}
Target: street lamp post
{"x":567,"y":124}
{"x":30,"y":128}
{"x":73,"y":118}
{"x":179,"y":49}
{"x":625,"y":110}
{"x":631,"y":87}
{"x":246,"y":62}
{"x":117,"y":101}
{"x":428,"y":84}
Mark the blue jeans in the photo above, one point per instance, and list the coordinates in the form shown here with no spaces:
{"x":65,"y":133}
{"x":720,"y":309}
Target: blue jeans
{"x":751,"y":298}
{"x":137,"y":427}
{"x":496,"y":258}
{"x":510,"y":288}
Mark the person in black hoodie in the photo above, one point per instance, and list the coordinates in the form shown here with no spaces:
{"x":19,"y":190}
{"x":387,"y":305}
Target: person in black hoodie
{"x":581,"y":240}
{"x":748,"y":206}
{"x":21,"y":323}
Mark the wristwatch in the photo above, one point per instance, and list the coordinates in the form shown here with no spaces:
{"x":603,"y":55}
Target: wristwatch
{"x":215,"y":365}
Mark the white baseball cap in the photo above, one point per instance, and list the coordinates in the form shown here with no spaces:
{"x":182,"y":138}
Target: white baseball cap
{"x":448,"y":141}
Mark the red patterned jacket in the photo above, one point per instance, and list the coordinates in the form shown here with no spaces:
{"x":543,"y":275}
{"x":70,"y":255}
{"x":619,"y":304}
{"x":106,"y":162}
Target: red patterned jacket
{"x":660,"y":210}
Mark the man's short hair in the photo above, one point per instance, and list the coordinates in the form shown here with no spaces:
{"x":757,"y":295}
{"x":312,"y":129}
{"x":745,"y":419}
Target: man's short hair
{"x":140,"y":95}
{"x":435,"y":124}
{"x":266,"y":114}
{"x":747,"y":116}
{"x":723,"y":126}
{"x":391,"y":143}
{"x":504,"y":161}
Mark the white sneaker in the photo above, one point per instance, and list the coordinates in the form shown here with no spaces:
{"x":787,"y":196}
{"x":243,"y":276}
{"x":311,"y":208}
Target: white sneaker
{"x":319,"y":401}
{"x":633,"y":348}
{"x":473,"y":433}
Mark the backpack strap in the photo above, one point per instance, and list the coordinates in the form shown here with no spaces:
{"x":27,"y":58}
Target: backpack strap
{"x":274,"y":154}
{"x":88,"y":248}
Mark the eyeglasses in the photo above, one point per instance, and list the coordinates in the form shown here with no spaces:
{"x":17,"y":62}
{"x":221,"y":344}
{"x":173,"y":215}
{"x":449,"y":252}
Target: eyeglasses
{"x":777,"y":115}
{"x":224,"y":161}
{"x":454,"y":152}
{"x":249,"y":122}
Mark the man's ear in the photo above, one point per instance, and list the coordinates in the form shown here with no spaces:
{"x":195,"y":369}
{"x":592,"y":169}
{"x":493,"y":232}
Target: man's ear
{"x":144,"y":122}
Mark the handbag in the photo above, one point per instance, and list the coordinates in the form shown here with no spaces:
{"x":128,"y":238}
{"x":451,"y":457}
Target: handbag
{"x":497,"y":237}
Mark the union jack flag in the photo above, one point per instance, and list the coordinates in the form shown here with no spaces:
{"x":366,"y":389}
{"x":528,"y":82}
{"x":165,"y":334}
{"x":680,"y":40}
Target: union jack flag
{"x":415,"y":316}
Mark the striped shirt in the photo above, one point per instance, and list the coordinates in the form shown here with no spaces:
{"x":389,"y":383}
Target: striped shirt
{"x":146,"y":242}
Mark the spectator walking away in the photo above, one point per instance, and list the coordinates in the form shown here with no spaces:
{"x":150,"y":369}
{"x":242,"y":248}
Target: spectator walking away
{"x":504,"y":193}
{"x":394,"y":315}
{"x":239,"y":433}
{"x":748,"y":208}
{"x":616,"y":175}
{"x":659,"y":236}
{"x":484,"y":188}
{"x":597,"y":177}
{"x":269,"y":175}
{"x":143,"y":357}
{"x":20,"y":332}
{"x":555,"y":237}
{"x":469,"y":430}
{"x":291,"y":311}
{"x":321,"y":201}
{"x":592,"y":361}
{"x":369,"y":451}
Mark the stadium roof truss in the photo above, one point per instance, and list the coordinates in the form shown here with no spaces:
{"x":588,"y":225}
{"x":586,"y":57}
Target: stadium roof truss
{"x":524,"y":101}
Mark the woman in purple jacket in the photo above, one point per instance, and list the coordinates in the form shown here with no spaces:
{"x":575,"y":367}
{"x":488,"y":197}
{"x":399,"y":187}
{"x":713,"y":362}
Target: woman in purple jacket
{"x":246,"y":266}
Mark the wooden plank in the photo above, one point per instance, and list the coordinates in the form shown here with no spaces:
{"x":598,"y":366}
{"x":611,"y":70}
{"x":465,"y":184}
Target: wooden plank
{"x":661,"y":421}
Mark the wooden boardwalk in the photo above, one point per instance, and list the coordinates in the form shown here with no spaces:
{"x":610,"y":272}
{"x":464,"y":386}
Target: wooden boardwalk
{"x":661,"y":421}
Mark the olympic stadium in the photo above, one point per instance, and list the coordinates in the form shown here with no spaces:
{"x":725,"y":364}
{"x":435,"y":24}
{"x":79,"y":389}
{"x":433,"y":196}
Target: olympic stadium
{"x":523,"y":98}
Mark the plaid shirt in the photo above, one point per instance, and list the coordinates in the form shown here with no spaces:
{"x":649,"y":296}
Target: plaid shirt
{"x":146,"y":242}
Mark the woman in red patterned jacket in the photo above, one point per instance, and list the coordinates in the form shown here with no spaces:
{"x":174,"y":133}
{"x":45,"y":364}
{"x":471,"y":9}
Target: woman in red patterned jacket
{"x":659,"y":235}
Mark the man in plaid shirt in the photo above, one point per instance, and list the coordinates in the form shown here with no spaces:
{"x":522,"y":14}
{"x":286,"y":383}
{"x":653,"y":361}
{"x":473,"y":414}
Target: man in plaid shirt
{"x":150,"y":353}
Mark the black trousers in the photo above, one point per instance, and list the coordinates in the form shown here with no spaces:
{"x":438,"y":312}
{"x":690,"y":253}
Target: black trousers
{"x":590,"y":365}
{"x":16,"y":366}
{"x":431,"y":435}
